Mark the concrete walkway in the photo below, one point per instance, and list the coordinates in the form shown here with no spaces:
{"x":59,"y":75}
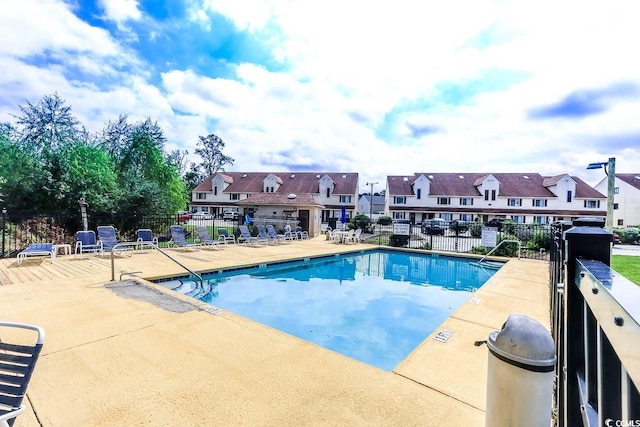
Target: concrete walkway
{"x":130,"y":352}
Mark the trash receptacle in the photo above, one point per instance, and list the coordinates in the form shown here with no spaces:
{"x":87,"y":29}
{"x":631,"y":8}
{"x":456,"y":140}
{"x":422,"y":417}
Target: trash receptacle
{"x":520,"y":374}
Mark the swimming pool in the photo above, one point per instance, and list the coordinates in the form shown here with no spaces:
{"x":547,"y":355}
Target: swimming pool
{"x":373,"y":306}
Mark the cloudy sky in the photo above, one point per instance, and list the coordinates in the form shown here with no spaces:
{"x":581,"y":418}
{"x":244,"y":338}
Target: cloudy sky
{"x":379,"y":88}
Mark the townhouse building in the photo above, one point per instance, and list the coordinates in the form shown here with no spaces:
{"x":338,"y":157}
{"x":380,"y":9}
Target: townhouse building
{"x":312,"y":198}
{"x":521,"y":197}
{"x":626,"y":198}
{"x":371,"y":205}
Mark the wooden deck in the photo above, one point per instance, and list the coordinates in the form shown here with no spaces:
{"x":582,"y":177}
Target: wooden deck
{"x":152,"y":265}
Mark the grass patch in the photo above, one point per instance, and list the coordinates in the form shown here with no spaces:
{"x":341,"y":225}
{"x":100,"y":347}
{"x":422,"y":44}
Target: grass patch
{"x":628,"y":266}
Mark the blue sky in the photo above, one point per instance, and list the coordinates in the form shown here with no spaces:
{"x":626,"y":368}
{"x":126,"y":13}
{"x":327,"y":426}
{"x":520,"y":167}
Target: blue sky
{"x":372,"y":87}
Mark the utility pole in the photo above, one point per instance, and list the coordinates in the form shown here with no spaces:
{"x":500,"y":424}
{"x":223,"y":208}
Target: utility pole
{"x":371,"y":199}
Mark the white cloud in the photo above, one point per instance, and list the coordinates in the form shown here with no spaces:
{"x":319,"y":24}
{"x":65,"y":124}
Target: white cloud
{"x":121,"y":11}
{"x":348,"y":68}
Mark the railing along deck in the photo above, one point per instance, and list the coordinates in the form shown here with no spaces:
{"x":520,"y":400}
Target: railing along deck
{"x":596,"y":318}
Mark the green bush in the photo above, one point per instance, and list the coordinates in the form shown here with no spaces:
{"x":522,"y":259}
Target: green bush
{"x":539,"y":240}
{"x":361,"y":221}
{"x":398,"y":240}
{"x":385,"y":220}
{"x":628,"y":235}
{"x":475,"y":229}
{"x":458,"y":227}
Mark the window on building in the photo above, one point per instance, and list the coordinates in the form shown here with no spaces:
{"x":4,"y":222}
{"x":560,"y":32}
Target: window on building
{"x":493,"y":194}
{"x":446,"y":216}
{"x":518,"y":218}
{"x":201,"y":196}
{"x":466,"y":201}
{"x":569,"y":196}
{"x":539,"y":203}
{"x":592,"y":204}
{"x":328,"y":192}
{"x":444,"y":201}
{"x":419,"y":193}
{"x":215,"y":191}
{"x":400,"y":200}
{"x":345,"y":199}
{"x":616,"y":190}
{"x":514,"y":202}
{"x":466,"y":217}
{"x":615,"y":206}
{"x":486,"y":194}
{"x":235,"y":196}
{"x":620,"y":222}
{"x":398,"y":215}
{"x":540,"y":219}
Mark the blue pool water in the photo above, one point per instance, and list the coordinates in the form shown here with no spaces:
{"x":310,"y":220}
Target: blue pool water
{"x":375,"y":306}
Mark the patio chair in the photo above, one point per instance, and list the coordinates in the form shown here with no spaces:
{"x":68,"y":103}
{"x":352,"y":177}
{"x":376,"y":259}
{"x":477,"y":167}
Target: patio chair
{"x":262,"y":234}
{"x":107,"y":235}
{"x":145,"y":238}
{"x":225,"y":237}
{"x":288,"y":234}
{"x":353,"y":236}
{"x":17,"y":363}
{"x":247,"y":238}
{"x":179,"y":239}
{"x":86,"y":241}
{"x":301,"y":234}
{"x":279,"y":238}
{"x":205,"y":240}
{"x":348,"y":236}
{"x":38,"y":249}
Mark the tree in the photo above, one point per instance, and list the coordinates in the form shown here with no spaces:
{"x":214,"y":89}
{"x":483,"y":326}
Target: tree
{"x":47,"y":126}
{"x":149,"y":178}
{"x":213,"y":160}
{"x":193,"y":177}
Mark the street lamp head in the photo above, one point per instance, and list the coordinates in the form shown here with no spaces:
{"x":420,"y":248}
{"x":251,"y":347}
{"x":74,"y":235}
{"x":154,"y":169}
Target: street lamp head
{"x":596,"y":165}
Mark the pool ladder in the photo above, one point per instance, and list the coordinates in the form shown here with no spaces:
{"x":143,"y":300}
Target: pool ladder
{"x":496,"y":248}
{"x":201,"y":290}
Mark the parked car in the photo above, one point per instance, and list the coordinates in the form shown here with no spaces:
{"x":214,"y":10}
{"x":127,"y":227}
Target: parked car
{"x":616,"y":239}
{"x":230,"y":216}
{"x":459,"y":226}
{"x":202,"y":215}
{"x":496,"y":222}
{"x":183,"y":216}
{"x":433,"y":226}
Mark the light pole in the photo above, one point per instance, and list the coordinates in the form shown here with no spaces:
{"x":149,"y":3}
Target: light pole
{"x":610,"y":171}
{"x":371,"y":199}
{"x":83,"y":212}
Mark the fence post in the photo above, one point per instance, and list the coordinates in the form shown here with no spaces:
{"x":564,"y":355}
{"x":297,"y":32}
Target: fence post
{"x":4,"y":231}
{"x":586,"y":239}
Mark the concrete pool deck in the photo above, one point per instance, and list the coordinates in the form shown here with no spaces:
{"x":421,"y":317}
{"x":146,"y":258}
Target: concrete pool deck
{"x":134,"y":353}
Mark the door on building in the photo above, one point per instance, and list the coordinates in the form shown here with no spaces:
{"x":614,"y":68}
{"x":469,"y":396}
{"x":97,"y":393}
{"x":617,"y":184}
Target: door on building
{"x":303,"y":217}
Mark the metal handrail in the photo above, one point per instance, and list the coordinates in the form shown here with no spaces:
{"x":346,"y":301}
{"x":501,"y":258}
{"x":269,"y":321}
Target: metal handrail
{"x":154,"y":246}
{"x":500,"y":244}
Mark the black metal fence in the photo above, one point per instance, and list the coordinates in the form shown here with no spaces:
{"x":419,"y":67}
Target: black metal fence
{"x":595,"y":324}
{"x":19,"y":229}
{"x":533,"y":240}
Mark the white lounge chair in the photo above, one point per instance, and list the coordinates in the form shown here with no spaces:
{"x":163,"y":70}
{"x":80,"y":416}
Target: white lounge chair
{"x":38,"y":249}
